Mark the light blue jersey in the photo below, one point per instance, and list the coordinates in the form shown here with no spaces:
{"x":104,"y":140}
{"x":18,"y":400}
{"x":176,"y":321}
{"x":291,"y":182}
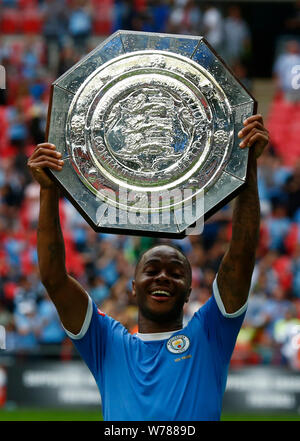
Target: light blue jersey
{"x":177,"y":376}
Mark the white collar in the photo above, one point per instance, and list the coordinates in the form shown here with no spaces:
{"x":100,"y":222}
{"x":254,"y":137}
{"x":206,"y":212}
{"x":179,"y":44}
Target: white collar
{"x":156,"y":335}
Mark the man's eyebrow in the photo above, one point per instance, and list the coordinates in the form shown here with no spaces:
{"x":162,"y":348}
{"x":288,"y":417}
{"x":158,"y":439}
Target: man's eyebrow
{"x":177,"y":261}
{"x":157,"y":260}
{"x":152,"y":260}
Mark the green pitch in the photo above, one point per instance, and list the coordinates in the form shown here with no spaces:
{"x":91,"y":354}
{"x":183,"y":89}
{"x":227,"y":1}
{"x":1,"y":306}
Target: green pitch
{"x":92,"y":415}
{"x":260,"y":417}
{"x":49,"y":415}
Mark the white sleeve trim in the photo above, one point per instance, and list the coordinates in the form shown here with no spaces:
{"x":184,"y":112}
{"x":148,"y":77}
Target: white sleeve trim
{"x":86,"y":323}
{"x":221,"y":306}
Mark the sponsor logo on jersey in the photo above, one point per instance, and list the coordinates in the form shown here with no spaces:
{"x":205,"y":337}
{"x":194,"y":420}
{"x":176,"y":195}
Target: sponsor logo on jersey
{"x":100,"y":312}
{"x":178,"y":344}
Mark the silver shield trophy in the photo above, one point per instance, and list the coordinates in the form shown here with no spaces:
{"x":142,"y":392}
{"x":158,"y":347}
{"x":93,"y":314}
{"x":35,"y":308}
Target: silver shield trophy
{"x":147,"y":126}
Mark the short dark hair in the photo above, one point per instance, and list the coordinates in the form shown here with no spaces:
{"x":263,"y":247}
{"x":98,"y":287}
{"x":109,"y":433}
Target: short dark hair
{"x":189,"y":268}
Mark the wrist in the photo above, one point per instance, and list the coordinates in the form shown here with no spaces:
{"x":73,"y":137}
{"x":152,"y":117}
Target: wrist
{"x":50,"y":194}
{"x":52,"y":189}
{"x":252,"y":165}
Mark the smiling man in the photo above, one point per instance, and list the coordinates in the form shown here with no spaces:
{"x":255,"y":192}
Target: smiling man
{"x":162,"y":285}
{"x":165,"y":372}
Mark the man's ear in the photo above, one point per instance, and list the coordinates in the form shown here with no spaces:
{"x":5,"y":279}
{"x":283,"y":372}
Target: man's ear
{"x":133,"y":288}
{"x":188,"y":295}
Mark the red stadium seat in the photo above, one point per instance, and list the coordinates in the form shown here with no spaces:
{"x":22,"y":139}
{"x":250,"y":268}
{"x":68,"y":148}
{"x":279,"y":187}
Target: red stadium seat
{"x":32,"y":21}
{"x":3,"y":118}
{"x":27,"y":4}
{"x":140,"y":5}
{"x":102,"y":4}
{"x":16,"y":53}
{"x":283,"y":269}
{"x":284,"y":127}
{"x":291,"y":239}
{"x":102,"y":17}
{"x":101,"y":27}
{"x":10,"y":21}
{"x":4,"y":141}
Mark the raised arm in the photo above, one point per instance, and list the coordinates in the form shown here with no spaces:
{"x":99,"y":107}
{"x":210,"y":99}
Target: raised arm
{"x":66,"y":293}
{"x":235,"y":272}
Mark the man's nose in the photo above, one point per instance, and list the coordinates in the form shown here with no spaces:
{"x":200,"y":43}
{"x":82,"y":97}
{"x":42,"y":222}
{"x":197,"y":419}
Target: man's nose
{"x":162,"y":275}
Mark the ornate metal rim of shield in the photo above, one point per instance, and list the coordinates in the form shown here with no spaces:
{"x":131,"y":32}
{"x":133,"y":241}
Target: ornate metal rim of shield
{"x":114,"y":100}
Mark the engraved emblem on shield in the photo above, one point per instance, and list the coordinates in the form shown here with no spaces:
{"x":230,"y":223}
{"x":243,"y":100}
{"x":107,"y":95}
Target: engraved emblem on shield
{"x":147,"y":126}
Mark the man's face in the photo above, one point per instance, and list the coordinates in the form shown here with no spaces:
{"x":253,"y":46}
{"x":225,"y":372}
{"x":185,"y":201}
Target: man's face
{"x":162,"y":284}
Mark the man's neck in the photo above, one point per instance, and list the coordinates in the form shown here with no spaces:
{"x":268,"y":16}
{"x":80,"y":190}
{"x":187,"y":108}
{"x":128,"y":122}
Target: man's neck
{"x":147,"y":326}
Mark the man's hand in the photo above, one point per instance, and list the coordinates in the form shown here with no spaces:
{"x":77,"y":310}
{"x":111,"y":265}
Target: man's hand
{"x":44,"y":155}
{"x":254,"y":134}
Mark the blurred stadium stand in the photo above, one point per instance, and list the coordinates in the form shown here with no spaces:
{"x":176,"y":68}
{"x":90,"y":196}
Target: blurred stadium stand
{"x":41,"y":39}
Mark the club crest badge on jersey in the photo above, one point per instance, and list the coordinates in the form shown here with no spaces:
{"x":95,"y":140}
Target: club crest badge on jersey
{"x":178,"y":344}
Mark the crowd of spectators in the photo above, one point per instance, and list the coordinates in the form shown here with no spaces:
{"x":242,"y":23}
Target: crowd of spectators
{"x":104,"y":264}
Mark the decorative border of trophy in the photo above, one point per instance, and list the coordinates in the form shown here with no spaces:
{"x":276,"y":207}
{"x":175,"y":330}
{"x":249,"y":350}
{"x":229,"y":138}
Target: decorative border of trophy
{"x":147,"y":127}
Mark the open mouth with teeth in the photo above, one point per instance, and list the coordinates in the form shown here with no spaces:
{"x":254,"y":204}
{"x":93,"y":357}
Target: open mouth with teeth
{"x":160,"y":295}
